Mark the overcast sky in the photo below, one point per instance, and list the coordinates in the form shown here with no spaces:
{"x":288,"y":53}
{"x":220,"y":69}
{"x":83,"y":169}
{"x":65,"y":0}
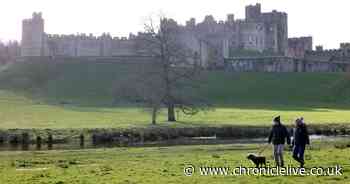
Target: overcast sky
{"x":327,"y":21}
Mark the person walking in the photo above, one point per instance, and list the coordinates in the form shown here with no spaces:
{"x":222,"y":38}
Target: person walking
{"x":300,"y":140}
{"x":278,"y":136}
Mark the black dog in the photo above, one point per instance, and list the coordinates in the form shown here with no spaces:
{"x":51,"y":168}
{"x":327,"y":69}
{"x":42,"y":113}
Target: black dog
{"x":258,"y":160}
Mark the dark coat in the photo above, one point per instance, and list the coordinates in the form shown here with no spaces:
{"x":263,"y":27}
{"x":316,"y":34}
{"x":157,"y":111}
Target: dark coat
{"x":279,"y":134}
{"x":301,"y":135}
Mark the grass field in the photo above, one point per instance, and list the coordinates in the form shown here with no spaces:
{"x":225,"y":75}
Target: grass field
{"x":159,"y":165}
{"x":21,"y":112}
{"x":78,"y":94}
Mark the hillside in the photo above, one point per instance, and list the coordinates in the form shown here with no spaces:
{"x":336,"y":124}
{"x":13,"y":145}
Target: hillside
{"x":88,"y":83}
{"x":78,"y":94}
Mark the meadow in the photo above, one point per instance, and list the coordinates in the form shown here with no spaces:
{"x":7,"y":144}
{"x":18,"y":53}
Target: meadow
{"x":162,"y":165}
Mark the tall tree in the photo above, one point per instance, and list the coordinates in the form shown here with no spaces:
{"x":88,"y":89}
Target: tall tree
{"x":172,"y":77}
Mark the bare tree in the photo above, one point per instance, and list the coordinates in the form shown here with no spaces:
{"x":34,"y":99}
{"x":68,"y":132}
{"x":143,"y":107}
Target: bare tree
{"x":171,"y":78}
{"x":136,"y":90}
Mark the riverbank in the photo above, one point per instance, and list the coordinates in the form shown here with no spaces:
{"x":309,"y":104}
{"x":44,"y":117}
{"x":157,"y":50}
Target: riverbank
{"x":28,"y":139}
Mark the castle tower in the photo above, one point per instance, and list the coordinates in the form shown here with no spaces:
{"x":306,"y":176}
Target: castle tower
{"x":253,"y":12}
{"x":33,"y":36}
{"x":345,"y":48}
{"x":277,"y":31}
{"x":191,"y":23}
{"x":230,"y":19}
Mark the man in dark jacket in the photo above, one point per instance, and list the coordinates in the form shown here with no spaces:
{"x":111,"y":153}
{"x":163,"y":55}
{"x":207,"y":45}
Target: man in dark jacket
{"x":278,"y":136}
{"x":300,"y":140}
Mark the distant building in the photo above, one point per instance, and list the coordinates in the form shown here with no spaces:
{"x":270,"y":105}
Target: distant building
{"x":259,"y":32}
{"x":215,"y":42}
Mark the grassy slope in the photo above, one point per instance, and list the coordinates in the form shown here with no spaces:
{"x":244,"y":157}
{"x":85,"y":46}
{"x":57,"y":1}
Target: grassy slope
{"x":246,"y":98}
{"x":158,"y":165}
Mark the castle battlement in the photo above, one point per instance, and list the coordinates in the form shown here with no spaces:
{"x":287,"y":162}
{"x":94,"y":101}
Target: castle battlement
{"x":345,"y":45}
{"x":343,"y":53}
{"x":91,"y":37}
{"x":330,"y":52}
{"x":36,"y":18}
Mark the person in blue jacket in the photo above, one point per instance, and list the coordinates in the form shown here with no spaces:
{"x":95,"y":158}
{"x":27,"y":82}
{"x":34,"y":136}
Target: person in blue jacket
{"x":300,"y":140}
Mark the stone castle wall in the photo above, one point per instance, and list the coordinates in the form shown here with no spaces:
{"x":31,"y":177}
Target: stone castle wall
{"x":88,"y":45}
{"x":35,"y":42}
{"x":283,"y":64}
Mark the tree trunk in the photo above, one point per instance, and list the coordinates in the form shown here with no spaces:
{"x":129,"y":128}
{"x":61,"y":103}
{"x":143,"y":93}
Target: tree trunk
{"x":171,"y":113}
{"x":154,"y":116}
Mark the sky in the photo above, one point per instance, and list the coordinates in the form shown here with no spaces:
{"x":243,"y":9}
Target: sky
{"x":327,"y":21}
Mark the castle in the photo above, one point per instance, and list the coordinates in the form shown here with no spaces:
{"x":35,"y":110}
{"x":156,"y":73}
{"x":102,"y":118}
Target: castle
{"x":265,"y":33}
{"x":259,"y":31}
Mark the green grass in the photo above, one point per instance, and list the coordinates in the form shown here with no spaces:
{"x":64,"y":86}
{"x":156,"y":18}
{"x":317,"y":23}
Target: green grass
{"x":159,"y":165}
{"x":20,"y":112}
{"x":238,"y":99}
